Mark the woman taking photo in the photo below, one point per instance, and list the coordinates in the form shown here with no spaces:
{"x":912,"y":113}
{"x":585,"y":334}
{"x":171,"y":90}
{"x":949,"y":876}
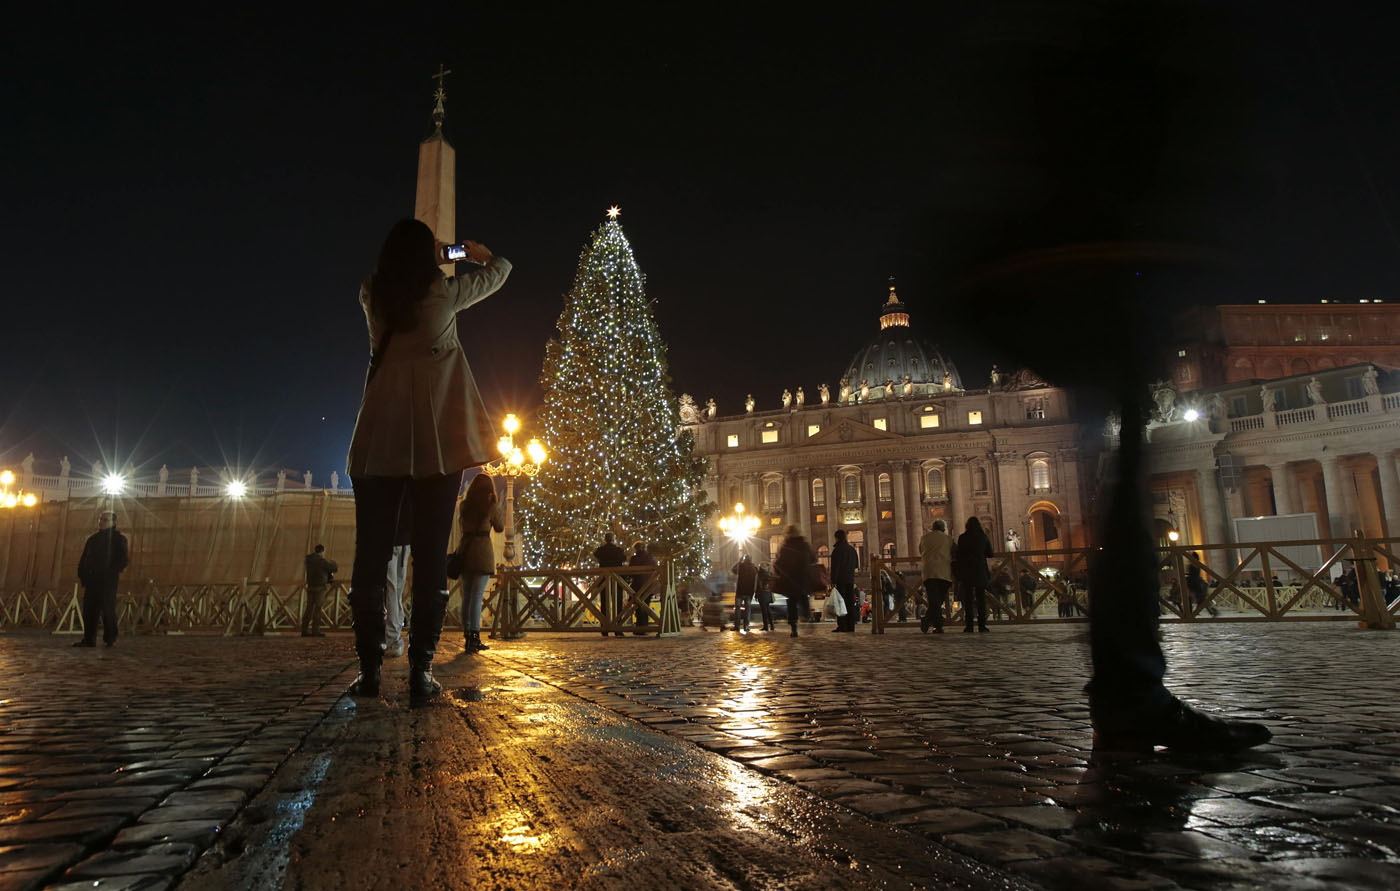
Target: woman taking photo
{"x":970,"y":566}
{"x":479,"y":514}
{"x":421,"y":423}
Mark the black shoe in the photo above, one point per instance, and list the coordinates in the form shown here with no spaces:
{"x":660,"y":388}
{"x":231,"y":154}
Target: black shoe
{"x":86,"y":643}
{"x":967,"y":628}
{"x":983,"y":628}
{"x":1175,"y":726}
{"x":605,"y":634}
{"x":423,"y":688}
{"x":474,"y":644}
{"x":367,"y":684}
{"x":618,"y":634}
{"x":794,"y":630}
{"x":109,"y":643}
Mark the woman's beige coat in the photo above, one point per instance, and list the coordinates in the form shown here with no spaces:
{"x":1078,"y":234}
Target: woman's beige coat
{"x":422,"y":415}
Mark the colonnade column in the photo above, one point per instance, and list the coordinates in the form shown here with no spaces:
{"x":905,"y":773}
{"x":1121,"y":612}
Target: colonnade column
{"x":1390,"y":492}
{"x":790,"y":500}
{"x":753,"y":498}
{"x":872,"y":512}
{"x":915,"y":519}
{"x":959,"y":481}
{"x":1334,"y":480}
{"x":833,"y":506}
{"x":900,"y":484}
{"x":804,"y":503}
{"x":1283,"y":490}
{"x":1215,"y":509}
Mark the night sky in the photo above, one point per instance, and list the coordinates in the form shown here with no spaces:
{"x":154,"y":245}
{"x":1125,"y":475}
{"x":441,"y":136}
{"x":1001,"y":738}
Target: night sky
{"x":190,"y":203}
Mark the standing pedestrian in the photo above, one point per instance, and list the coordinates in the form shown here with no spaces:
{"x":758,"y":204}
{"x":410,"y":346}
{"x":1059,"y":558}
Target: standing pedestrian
{"x":843,"y":577}
{"x":794,"y":576}
{"x":745,"y":585}
{"x":763,"y":590}
{"x":395,"y":577}
{"x":936,"y":552}
{"x":421,"y":423}
{"x":1027,"y":585}
{"x":970,"y":559}
{"x":319,"y":570}
{"x":104,"y":557}
{"x":643,"y":583}
{"x":479,"y":514}
{"x":609,"y":554}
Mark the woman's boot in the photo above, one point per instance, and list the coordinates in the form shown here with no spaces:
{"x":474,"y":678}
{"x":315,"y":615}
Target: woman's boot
{"x":477,"y":645}
{"x":367,"y":612}
{"x":424,"y":629}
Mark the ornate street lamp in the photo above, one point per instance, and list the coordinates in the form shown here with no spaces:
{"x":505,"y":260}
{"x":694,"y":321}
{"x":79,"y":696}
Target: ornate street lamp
{"x":13,"y":497}
{"x":514,"y":463}
{"x":738,"y":525}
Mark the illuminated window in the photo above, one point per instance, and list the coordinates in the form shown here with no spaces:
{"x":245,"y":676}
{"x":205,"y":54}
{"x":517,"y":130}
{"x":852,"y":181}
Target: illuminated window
{"x":974,"y":417}
{"x":774,"y":521}
{"x":879,"y":424}
{"x":979,"y":480}
{"x":769,"y":436}
{"x":773,"y":494}
{"x":813,"y":429}
{"x":887,"y":515}
{"x":1040,"y":475}
{"x":818,"y":492}
{"x":1035,"y":409}
{"x":851,"y":484}
{"x":733,"y":441}
{"x":1181,"y":354}
{"x":935,"y":482}
{"x":885,"y":487}
{"x":927,"y":421}
{"x":821,"y":518}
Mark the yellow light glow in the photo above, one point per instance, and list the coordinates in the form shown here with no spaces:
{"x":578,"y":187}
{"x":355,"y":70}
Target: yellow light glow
{"x":113,"y":484}
{"x":536,"y":451}
{"x":505,"y":445}
{"x":1173,"y":535}
{"x":739,"y":508}
{"x":11,"y":501}
{"x":517,"y":458}
{"x":31,"y":499}
{"x":7,"y":478}
{"x":614,"y":212}
{"x":512,"y":424}
{"x":236,"y":489}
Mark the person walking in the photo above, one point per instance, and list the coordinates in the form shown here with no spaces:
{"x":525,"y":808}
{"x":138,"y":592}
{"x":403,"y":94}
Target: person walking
{"x":936,"y":553}
{"x":745,"y":585}
{"x":395,"y":577}
{"x":105,"y":555}
{"x":478,"y":516}
{"x":609,"y":554}
{"x":1196,"y":585}
{"x":763,"y":590}
{"x":794,"y":576}
{"x":970,"y":562}
{"x":319,"y":570}
{"x":643,"y":583}
{"x":421,"y":423}
{"x":843,"y":578}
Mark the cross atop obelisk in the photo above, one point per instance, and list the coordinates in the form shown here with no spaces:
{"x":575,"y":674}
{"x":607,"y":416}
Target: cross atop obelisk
{"x":435,"y":200}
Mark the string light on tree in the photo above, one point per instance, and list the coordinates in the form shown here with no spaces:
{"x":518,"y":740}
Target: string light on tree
{"x":620,"y":463}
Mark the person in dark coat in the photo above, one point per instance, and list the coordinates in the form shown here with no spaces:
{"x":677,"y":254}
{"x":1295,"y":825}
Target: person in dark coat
{"x":609,"y":554}
{"x":643,"y":583}
{"x":970,"y":565}
{"x":843,"y":577}
{"x":763,"y":590}
{"x":745,"y":585}
{"x":105,"y":555}
{"x":319,"y":570}
{"x":794,"y":577}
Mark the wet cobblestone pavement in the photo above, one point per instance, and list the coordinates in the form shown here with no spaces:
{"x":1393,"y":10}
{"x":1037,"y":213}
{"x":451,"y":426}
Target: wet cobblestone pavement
{"x":119,"y":766}
{"x":982,"y":743}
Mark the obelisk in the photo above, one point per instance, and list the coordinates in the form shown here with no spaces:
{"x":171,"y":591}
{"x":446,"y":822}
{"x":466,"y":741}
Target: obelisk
{"x":436,"y":200}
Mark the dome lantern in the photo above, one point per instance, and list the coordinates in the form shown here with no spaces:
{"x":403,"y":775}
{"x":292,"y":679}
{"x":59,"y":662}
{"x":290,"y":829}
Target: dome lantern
{"x":893,"y":313}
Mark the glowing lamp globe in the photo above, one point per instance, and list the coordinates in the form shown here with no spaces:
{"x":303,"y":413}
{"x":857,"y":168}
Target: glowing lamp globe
{"x":113,"y":484}
{"x":11,"y":501}
{"x":512,"y":424}
{"x":7,"y":478}
{"x":1192,"y":414}
{"x":1173,"y":536}
{"x":31,"y":499}
{"x":537,"y":453}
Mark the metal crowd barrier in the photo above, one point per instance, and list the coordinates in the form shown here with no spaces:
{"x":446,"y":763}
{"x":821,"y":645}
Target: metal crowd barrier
{"x":607,"y":600}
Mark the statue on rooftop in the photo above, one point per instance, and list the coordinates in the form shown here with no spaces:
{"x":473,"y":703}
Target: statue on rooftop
{"x":710,"y":409}
{"x":801,"y":397}
{"x":787,"y":398}
{"x":864,"y":390}
{"x":1370,"y":381}
{"x":845,"y":391}
{"x":1268,"y":399}
{"x":825,"y":392}
{"x":1315,"y":391}
{"x":748,"y":404}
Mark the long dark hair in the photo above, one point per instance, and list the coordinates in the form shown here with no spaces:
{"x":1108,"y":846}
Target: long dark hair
{"x":974,"y":525}
{"x":407,"y":266}
{"x":476,"y":506}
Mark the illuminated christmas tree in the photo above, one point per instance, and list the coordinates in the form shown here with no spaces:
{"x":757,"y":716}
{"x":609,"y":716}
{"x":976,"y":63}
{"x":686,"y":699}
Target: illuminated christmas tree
{"x":617,"y":460}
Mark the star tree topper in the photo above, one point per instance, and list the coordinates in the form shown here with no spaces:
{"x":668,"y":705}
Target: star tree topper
{"x":614,"y":212}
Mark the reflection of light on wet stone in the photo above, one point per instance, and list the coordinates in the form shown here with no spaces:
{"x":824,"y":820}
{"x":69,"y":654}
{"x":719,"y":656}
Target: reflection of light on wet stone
{"x":516,"y":830}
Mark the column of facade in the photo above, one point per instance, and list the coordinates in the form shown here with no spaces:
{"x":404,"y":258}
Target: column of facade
{"x":1390,"y":492}
{"x":1333,"y":476}
{"x":791,"y":501}
{"x":833,"y":502}
{"x":753,"y":498}
{"x":899,"y":483}
{"x":959,"y":484}
{"x":1215,"y":509}
{"x":1283,"y":491}
{"x":1012,"y":482}
{"x":872,"y":511}
{"x":915,"y":520}
{"x":1067,"y":481}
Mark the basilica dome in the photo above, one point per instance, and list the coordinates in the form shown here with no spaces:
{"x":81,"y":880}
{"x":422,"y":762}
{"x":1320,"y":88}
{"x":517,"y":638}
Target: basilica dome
{"x":896,"y":350}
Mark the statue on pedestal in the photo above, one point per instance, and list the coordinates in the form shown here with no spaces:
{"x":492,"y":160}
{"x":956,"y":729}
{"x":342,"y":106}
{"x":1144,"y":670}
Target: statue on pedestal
{"x":864,"y":390}
{"x":710,"y":409}
{"x":1370,"y":383}
{"x":825,"y":392}
{"x":335,"y":481}
{"x":194,"y":479}
{"x":845,"y":391}
{"x":64,"y":467}
{"x":164,"y":474}
{"x":787,"y":398}
{"x":1268,"y":398}
{"x":908,"y":386}
{"x":306,"y":479}
{"x":281,"y":480}
{"x":947,"y":381}
{"x":1315,"y":391}
{"x":996,"y":376}
{"x":1164,"y":394}
{"x":748,"y":404}
{"x":801,"y":397}
{"x":889,"y":388}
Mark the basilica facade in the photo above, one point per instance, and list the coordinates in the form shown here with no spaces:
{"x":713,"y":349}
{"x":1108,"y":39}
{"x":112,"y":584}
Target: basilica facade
{"x":896,"y":443}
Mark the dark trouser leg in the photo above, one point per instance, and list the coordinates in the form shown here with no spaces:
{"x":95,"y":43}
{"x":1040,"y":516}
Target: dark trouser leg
{"x":92,"y":613}
{"x":643,"y":618}
{"x":979,"y":595}
{"x":936,"y":590}
{"x":311,"y":616}
{"x":741,"y":611}
{"x":434,"y":499}
{"x":766,"y":607}
{"x":377,"y":501}
{"x":109,"y":613}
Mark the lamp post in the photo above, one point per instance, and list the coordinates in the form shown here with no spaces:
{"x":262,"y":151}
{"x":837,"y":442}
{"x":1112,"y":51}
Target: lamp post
{"x":10,"y":496}
{"x":514,"y":463}
{"x":739,"y":526}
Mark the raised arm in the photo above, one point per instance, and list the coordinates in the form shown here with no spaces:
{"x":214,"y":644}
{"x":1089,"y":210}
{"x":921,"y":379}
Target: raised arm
{"x":477,"y":285}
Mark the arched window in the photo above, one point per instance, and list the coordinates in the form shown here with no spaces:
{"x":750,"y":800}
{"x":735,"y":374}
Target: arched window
{"x":773,"y":494}
{"x":979,"y":480}
{"x":733,"y":495}
{"x":888,"y":550}
{"x":851,"y":487}
{"x":935,"y":483}
{"x":1040,"y":475}
{"x":885,"y":488}
{"x":824,"y":556}
{"x":818,"y":492}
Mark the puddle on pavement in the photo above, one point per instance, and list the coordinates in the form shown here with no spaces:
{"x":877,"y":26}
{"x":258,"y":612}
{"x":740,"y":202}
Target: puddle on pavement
{"x":469,"y":694}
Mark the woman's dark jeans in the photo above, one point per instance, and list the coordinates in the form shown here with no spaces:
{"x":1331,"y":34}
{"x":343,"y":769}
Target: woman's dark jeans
{"x":974,"y":600}
{"x":377,"y":502}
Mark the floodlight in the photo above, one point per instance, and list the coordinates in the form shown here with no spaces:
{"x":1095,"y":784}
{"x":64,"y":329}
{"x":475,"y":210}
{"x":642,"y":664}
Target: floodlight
{"x":113,"y":484}
{"x":236,"y":489}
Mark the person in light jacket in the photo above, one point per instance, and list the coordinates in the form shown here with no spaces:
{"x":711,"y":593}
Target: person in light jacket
{"x":479,"y":514}
{"x":421,"y":423}
{"x":936,"y":552}
{"x":974,"y":578}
